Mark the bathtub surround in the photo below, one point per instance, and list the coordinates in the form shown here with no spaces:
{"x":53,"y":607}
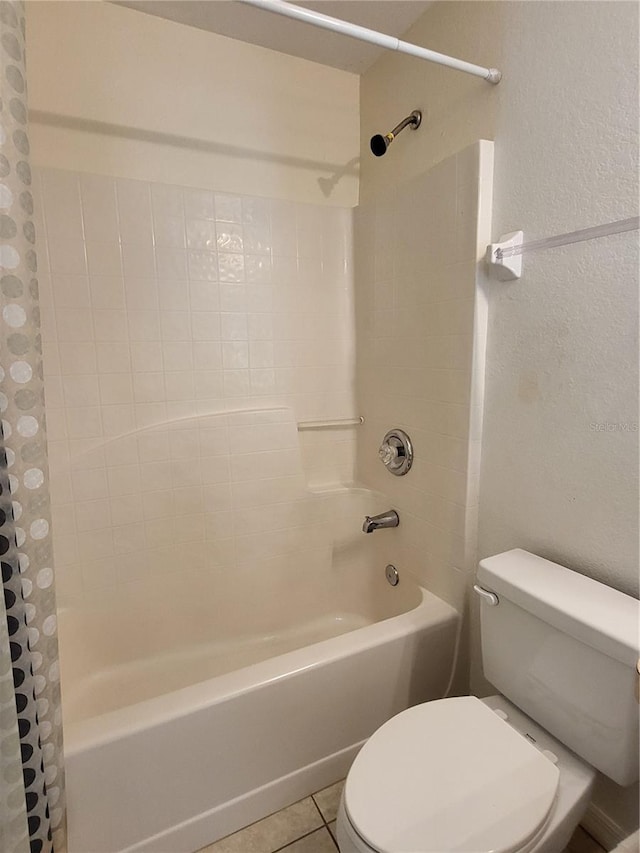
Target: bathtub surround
{"x":163,"y":306}
{"x":205,"y":110}
{"x":291,"y":587}
{"x":421,"y":330}
{"x":32,"y":775}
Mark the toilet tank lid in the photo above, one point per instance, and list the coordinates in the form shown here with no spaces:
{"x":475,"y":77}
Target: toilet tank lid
{"x":589,"y":611}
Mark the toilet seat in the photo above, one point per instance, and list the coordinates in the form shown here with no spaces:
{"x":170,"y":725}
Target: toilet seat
{"x":450,"y":775}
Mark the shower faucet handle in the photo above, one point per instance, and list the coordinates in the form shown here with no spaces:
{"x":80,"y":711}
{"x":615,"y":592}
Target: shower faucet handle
{"x":388,"y":453}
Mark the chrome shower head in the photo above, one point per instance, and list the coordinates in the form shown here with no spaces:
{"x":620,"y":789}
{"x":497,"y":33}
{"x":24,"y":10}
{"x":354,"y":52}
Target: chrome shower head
{"x":380,"y":143}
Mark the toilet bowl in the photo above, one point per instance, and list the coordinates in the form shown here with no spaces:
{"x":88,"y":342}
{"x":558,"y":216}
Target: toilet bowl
{"x":512,"y":773}
{"x":462,"y":774}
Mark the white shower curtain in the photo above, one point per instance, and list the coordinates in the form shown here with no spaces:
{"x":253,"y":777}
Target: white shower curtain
{"x":31,"y":770}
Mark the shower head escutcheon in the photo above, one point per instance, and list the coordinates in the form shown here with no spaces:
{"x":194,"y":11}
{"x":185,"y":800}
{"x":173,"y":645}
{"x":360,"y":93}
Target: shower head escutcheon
{"x":380,"y":143}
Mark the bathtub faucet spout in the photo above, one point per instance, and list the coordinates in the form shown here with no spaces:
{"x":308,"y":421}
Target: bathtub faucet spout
{"x":385,"y":519}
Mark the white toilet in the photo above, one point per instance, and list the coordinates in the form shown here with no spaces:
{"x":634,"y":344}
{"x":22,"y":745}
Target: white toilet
{"x":480,"y":776}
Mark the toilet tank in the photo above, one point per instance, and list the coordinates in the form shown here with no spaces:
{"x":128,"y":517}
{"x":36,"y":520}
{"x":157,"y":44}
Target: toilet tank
{"x":564,"y":649}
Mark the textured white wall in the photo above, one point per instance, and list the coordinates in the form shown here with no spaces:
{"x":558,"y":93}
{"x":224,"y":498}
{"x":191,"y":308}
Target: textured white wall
{"x":563,"y":348}
{"x":117,"y":92}
{"x":562,"y":342}
{"x":563,"y":355}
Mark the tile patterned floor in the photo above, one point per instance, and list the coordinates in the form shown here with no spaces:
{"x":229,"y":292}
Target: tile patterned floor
{"x":308,"y":826}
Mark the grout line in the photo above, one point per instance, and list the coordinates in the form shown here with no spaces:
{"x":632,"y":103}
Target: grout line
{"x":318,"y":808}
{"x":325,"y":822}
{"x":333,"y":838}
{"x":306,"y":835}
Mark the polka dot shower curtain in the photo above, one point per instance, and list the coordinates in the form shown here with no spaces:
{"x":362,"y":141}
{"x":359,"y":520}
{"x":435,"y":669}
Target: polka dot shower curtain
{"x":31,"y":792}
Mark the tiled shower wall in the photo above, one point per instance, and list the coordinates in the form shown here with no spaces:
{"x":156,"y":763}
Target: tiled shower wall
{"x":421,"y":332}
{"x":163,"y":305}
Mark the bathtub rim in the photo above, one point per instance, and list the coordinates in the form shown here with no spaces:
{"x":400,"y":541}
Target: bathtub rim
{"x":102,"y":729}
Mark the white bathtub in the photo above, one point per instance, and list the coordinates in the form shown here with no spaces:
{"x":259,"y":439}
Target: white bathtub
{"x":180,"y":728}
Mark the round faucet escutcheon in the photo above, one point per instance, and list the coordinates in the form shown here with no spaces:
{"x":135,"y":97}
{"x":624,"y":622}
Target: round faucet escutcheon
{"x":396,"y":452}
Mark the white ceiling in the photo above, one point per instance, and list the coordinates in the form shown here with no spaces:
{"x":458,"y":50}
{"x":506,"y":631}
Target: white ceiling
{"x":256,"y":26}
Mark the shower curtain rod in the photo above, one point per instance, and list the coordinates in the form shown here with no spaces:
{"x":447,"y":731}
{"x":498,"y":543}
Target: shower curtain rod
{"x":317,"y":19}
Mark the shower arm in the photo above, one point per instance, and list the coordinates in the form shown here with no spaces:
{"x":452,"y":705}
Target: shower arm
{"x":413,"y":119}
{"x":380,"y":143}
{"x":317,"y":19}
